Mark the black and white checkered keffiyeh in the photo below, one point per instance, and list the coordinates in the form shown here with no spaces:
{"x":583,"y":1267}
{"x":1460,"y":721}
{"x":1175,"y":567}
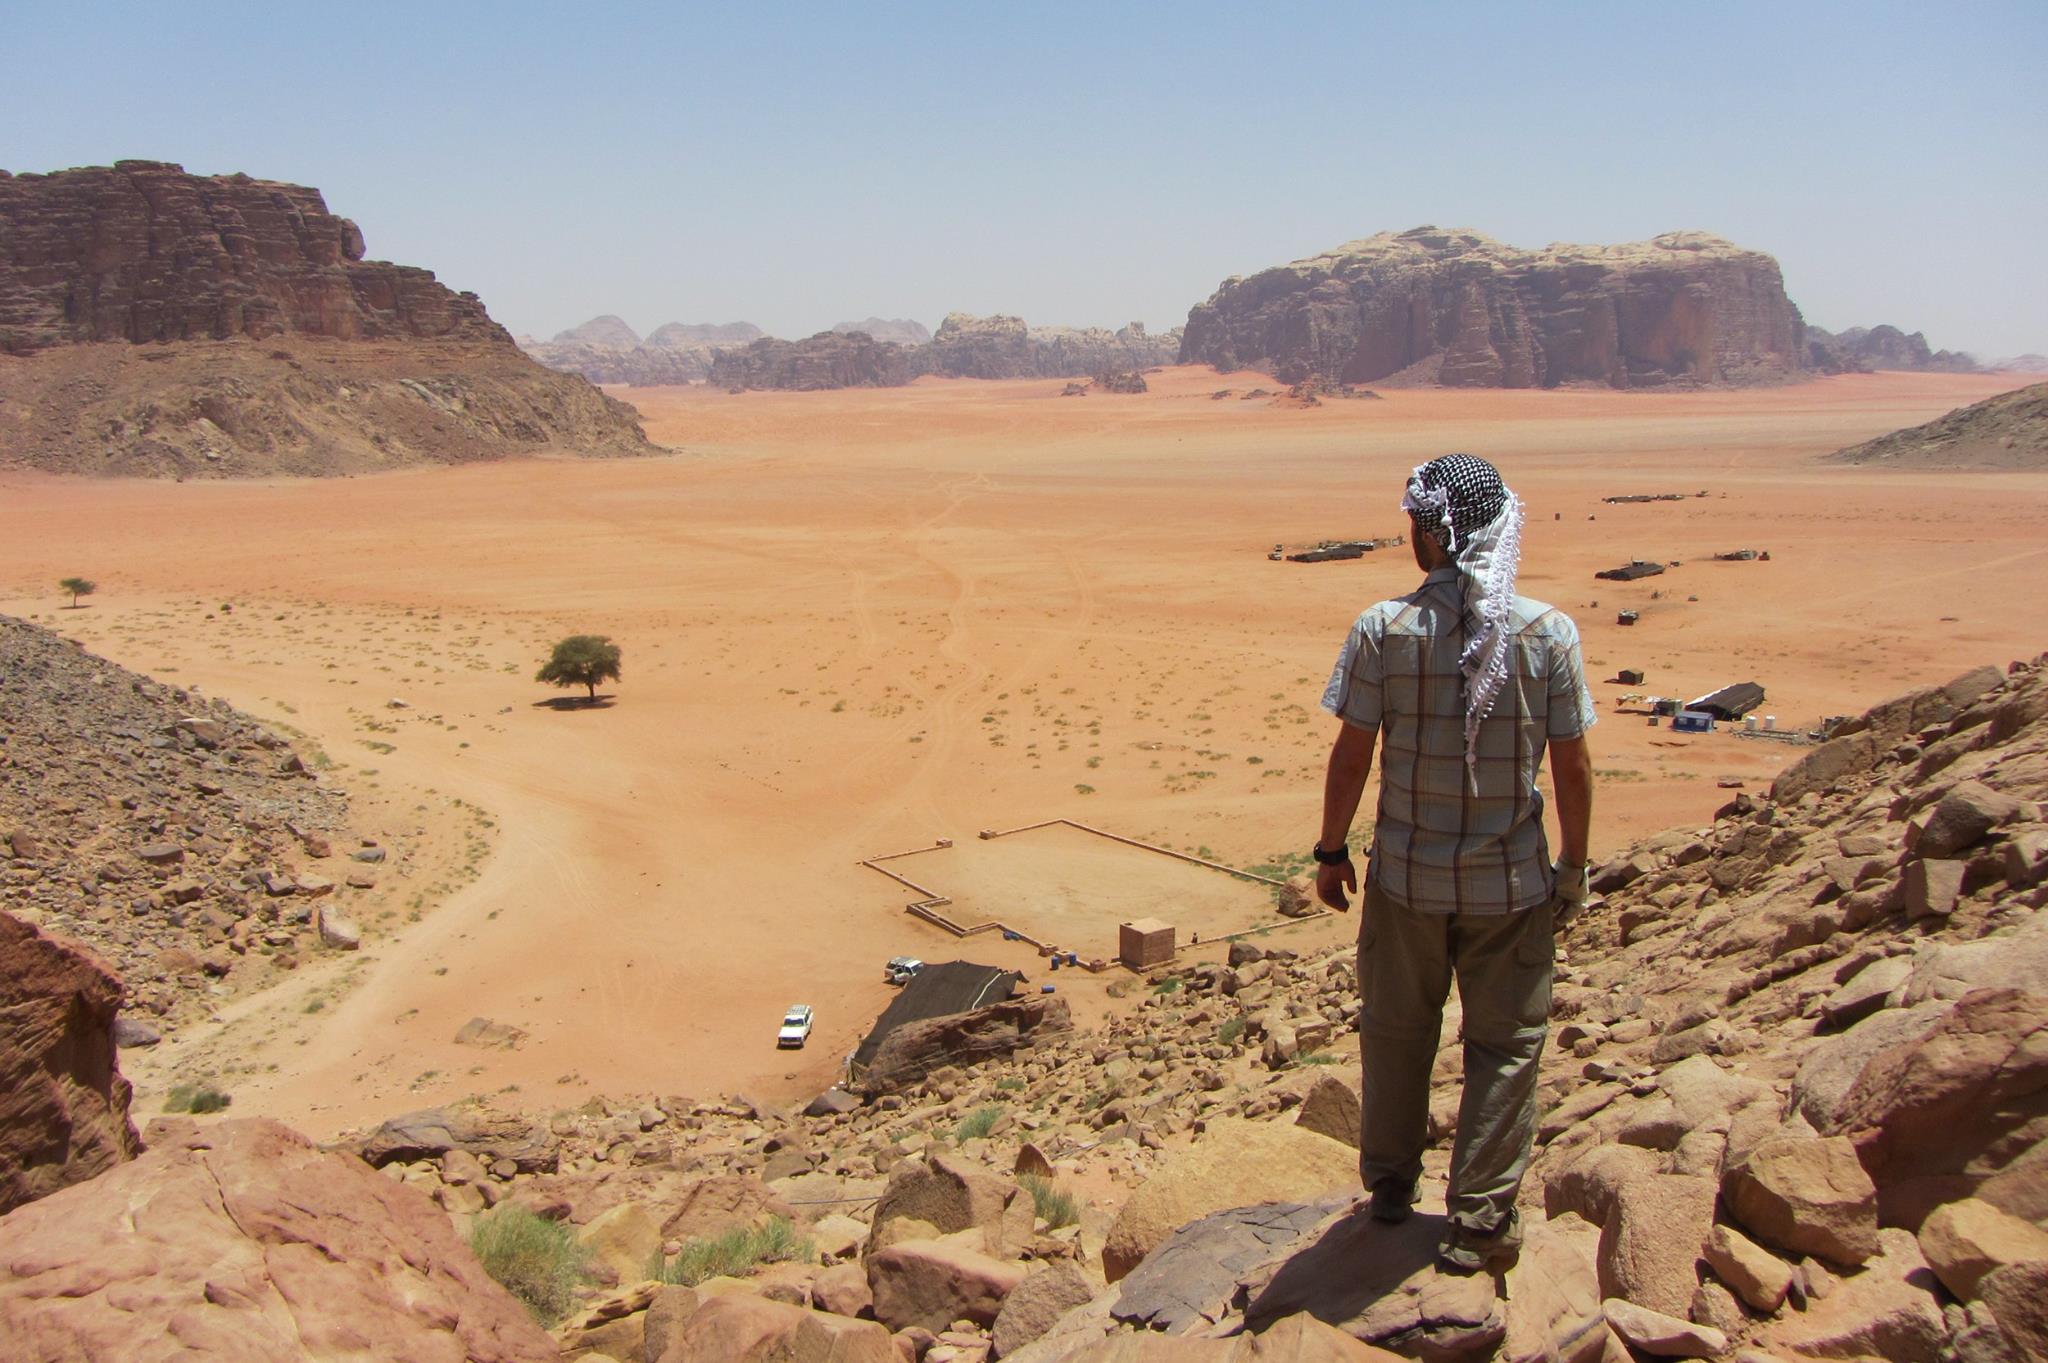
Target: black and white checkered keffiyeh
{"x":1460,"y":501}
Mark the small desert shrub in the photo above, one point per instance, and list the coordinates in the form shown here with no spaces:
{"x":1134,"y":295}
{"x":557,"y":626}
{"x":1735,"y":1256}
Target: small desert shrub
{"x":977,"y":1123}
{"x":533,"y":1258}
{"x":735,"y":1253}
{"x":1055,"y":1205}
{"x":1316,"y":1058}
{"x":196,"y":1098}
{"x":1169,"y":986}
{"x":1230,"y":1031}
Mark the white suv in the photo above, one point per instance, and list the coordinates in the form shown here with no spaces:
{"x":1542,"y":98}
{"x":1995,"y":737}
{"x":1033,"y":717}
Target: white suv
{"x":796,"y":1026}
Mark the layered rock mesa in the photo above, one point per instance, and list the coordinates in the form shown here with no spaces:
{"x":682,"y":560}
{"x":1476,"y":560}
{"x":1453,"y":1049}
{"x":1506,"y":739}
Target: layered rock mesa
{"x":2009,"y":431}
{"x":1463,"y":310}
{"x":168,"y":323}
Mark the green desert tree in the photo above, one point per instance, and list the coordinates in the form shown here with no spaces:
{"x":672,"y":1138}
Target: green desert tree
{"x":581,"y":660}
{"x":79,"y":586}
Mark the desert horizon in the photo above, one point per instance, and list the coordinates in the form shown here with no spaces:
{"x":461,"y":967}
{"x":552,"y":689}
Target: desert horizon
{"x":858,"y":621}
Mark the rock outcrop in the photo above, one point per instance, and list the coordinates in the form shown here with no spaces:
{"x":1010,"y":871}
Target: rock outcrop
{"x":1463,"y":310}
{"x":1861,"y":350}
{"x":63,"y":1102}
{"x":2009,"y":431}
{"x":243,"y":1241}
{"x":829,"y":359}
{"x":191,"y":325}
{"x":967,"y":347}
{"x":173,"y":835}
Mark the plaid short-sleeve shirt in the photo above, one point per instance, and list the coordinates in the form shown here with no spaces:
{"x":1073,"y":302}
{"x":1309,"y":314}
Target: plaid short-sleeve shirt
{"x":1446,"y":843}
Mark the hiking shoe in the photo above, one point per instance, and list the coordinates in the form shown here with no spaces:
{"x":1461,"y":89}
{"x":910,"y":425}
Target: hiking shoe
{"x":1391,"y":1200}
{"x":1465,"y":1250}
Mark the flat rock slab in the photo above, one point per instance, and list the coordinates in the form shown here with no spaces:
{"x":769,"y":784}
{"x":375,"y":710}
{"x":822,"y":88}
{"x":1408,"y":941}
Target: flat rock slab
{"x":1189,"y":1281}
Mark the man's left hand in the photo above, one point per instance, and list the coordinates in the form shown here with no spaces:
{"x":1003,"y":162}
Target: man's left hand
{"x":1333,"y":881}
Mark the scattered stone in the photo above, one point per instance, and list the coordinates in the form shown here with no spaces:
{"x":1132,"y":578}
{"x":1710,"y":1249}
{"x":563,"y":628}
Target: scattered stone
{"x":490,"y":1035}
{"x":1962,"y":817}
{"x":1758,"y":1276}
{"x":1331,"y":1109}
{"x":1034,"y":1304}
{"x":1964,"y":1241}
{"x":340,"y":933}
{"x":1653,"y":1238}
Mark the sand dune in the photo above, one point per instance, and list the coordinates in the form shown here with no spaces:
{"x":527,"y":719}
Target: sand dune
{"x":857,"y":621}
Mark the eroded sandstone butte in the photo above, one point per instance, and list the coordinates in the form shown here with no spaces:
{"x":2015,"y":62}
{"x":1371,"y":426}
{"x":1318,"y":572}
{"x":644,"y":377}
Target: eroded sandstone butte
{"x":162,"y":323}
{"x":1461,"y":309}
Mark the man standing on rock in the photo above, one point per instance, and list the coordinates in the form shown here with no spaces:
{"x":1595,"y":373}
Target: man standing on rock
{"x":1461,"y":684}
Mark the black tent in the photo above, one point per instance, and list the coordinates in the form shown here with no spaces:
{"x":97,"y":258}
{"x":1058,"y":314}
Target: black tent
{"x":936,"y":991}
{"x":1731,"y":702}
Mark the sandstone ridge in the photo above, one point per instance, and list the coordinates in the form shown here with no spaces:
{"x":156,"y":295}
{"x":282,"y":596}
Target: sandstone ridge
{"x":159,"y":323}
{"x":1862,"y":350}
{"x":2009,"y":431}
{"x":1454,"y":307}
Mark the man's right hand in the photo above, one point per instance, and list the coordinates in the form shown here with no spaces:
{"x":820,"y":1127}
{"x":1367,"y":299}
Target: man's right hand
{"x":1332,"y":881}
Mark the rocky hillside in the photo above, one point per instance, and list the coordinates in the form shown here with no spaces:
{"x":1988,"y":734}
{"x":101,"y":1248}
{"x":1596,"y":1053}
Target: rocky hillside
{"x":188,"y":846}
{"x":2009,"y":431}
{"x":1461,"y":309}
{"x":154,"y":322}
{"x":1796,"y":1107}
{"x":1006,"y":348}
{"x":1861,"y":350}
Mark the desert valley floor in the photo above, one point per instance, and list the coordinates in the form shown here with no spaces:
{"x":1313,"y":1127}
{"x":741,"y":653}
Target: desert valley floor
{"x":856,"y":622}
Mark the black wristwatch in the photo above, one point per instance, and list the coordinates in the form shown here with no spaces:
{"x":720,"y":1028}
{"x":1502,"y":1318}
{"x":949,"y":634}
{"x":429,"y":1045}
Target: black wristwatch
{"x":1336,"y":858}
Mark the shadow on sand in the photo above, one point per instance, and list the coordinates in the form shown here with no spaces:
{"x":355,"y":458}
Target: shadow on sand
{"x":574,"y":703}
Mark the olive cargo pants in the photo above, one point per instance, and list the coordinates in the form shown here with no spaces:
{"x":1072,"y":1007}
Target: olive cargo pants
{"x":1406,"y":961}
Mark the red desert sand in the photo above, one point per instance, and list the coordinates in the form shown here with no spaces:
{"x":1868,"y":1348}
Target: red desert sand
{"x":855,"y":622}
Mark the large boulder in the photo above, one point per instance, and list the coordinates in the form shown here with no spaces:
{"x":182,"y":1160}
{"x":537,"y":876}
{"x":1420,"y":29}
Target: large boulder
{"x":244,"y":1241}
{"x":1031,"y":1308}
{"x":1190,"y":1280}
{"x":1808,"y":1195}
{"x":931,"y":1284}
{"x":1935,"y":1118}
{"x":738,"y":1327}
{"x":1233,"y":1164}
{"x":488,"y":1134}
{"x":63,"y":1102}
{"x":711,"y":1206}
{"x":1652,"y":1241}
{"x":944,"y":1194}
{"x":1331,"y":1108}
{"x":1964,"y":1241}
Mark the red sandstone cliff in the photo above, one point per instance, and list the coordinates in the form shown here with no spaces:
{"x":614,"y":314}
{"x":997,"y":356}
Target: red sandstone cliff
{"x":160,"y":323}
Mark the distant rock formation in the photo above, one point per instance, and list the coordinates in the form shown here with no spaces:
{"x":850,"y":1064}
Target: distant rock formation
{"x":606,"y":350}
{"x":2009,"y":431}
{"x":1860,"y":350}
{"x":1460,"y":309}
{"x":607,"y":331}
{"x":901,"y":330}
{"x":829,"y":359}
{"x":174,"y":325}
{"x":1002,"y":347}
{"x":681,"y":335}
{"x":2028,"y":363}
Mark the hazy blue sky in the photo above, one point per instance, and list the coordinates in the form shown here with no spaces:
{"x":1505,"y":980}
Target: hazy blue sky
{"x":795,"y":165}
